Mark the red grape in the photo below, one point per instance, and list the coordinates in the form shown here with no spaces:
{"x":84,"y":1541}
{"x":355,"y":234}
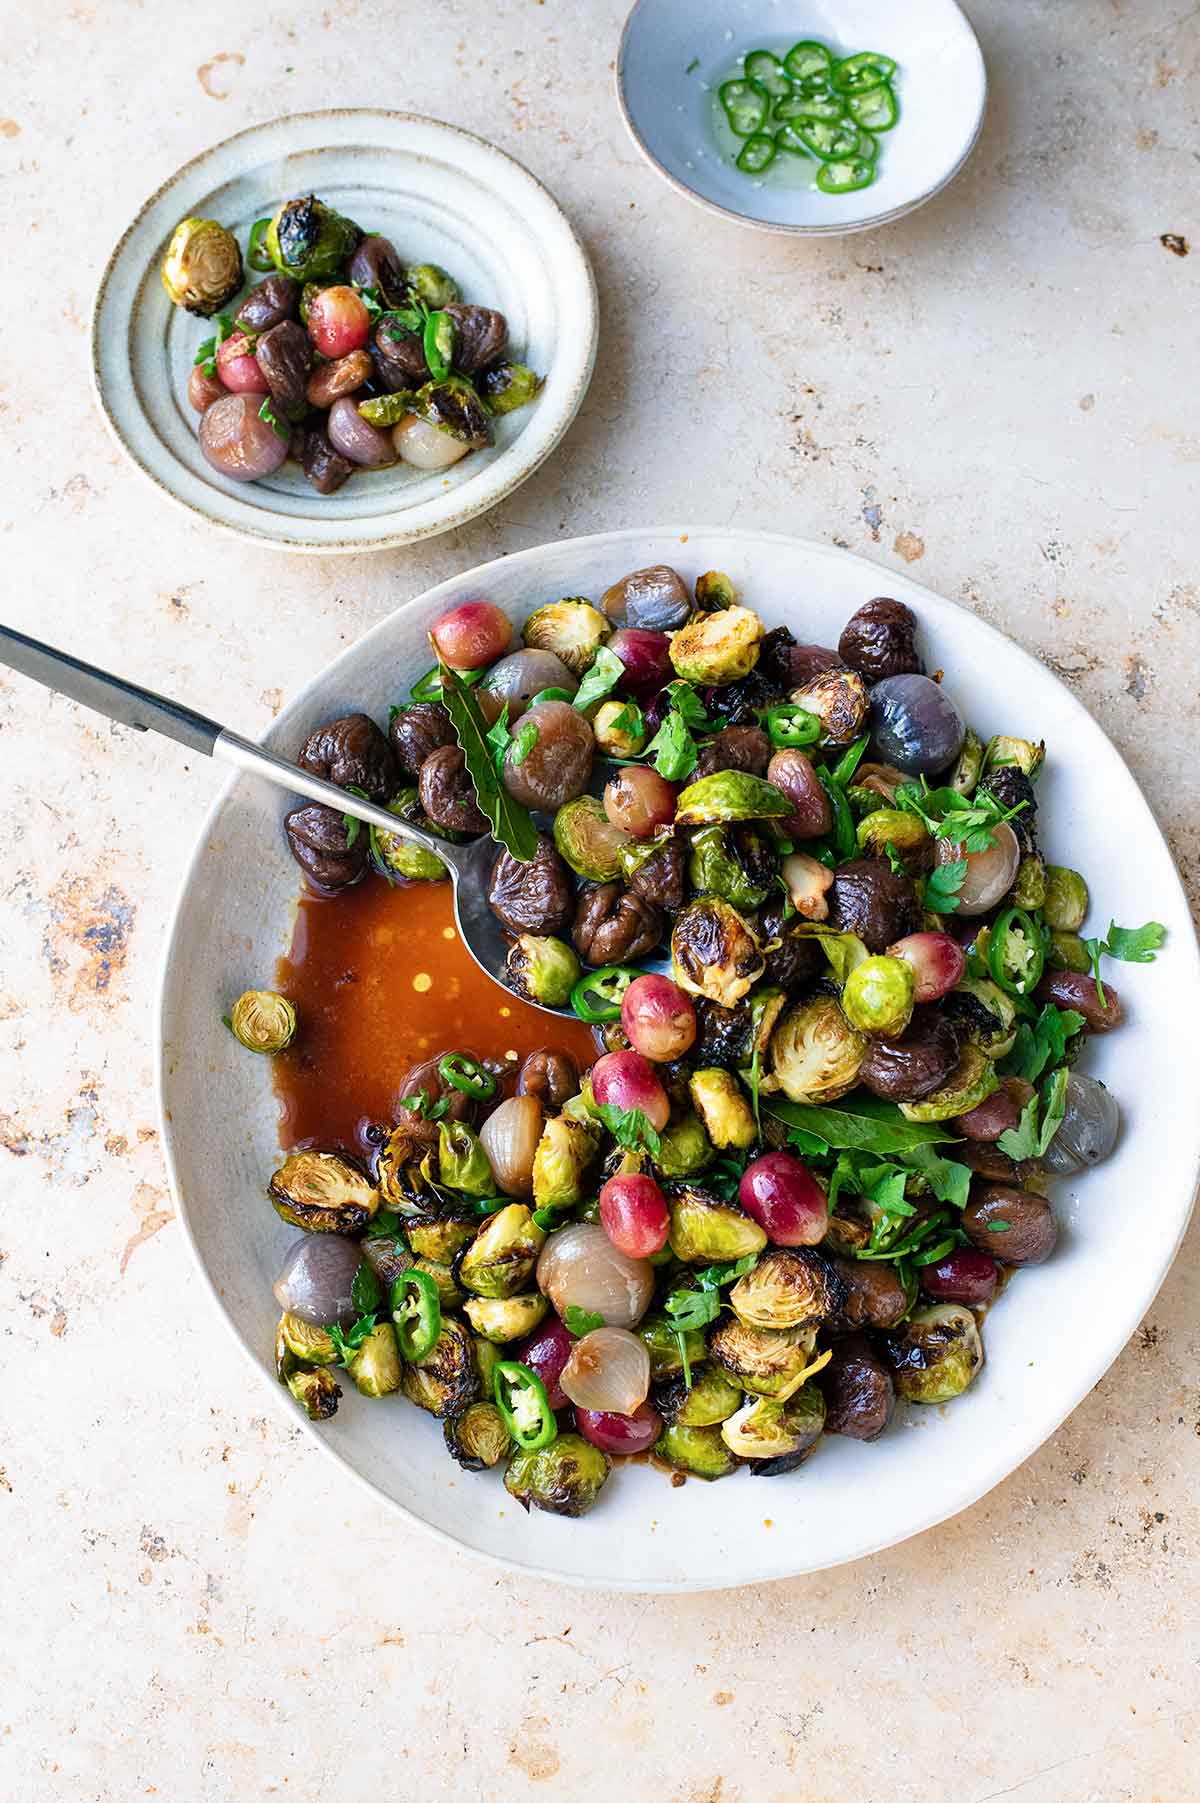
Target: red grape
{"x":639,"y":801}
{"x":621,"y":1434}
{"x":658,"y":1018}
{"x":634,"y":1215}
{"x":546,"y":1352}
{"x":938,"y":963}
{"x":646,"y":657}
{"x":785,"y":1199}
{"x":338,"y":321}
{"x":964,"y":1275}
{"x":473,"y":635}
{"x":626,"y":1081}
{"x":238,"y":368}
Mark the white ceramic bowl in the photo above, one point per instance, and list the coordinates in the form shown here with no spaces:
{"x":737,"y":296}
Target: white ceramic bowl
{"x":1051,"y":1336}
{"x":675,"y":53}
{"x":443,"y":196}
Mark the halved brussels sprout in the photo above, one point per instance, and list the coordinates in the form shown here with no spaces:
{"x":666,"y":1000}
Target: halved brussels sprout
{"x":1068,"y":952}
{"x":564,"y":1152}
{"x":447,"y":1379}
{"x":504,"y":1318}
{"x":262,"y":1021}
{"x":620,"y":729}
{"x":402,"y":860}
{"x":969,"y":765}
{"x":730,"y":795}
{"x":815,"y":1052}
{"x":788,"y":1287}
{"x":440,"y":1237}
{"x":706,"y":1231}
{"x":936,"y":1355}
{"x":587,"y":839}
{"x":323,"y":1192}
{"x":305,"y":1342}
{"x":721,"y":1103}
{"x":717,"y":647}
{"x":905,"y":835}
{"x":763,"y":1360}
{"x":1066,"y":900}
{"x":203,"y":266}
{"x":307,"y":240}
{"x":766,"y":1004}
{"x":878,"y":996}
{"x":572,"y":628}
{"x":982,"y":1013}
{"x":712,"y":1398}
{"x":564,"y":1478}
{"x":375,"y":1366}
{"x":317,"y":1392}
{"x":462,"y":1162}
{"x":477,"y":1439}
{"x":543,"y":970}
{"x":500,"y":1259}
{"x":715,"y":953}
{"x":505,"y":386}
{"x":1029,"y":890}
{"x":449,"y":1294}
{"x":840,"y":701}
{"x":736,"y":863}
{"x":685,"y":1149}
{"x":487,"y":1357}
{"x":661,"y":1341}
{"x":1023,"y":753}
{"x":700,"y":1451}
{"x":783,"y":1432}
{"x":430,"y":283}
{"x":715,"y":592}
{"x":972,"y":1083}
{"x":402,"y":1169}
{"x":453,"y":406}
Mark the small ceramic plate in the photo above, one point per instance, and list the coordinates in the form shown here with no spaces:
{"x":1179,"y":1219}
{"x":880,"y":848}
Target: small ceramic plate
{"x":1053,"y":1333}
{"x":674,"y":55}
{"x":442,"y":196}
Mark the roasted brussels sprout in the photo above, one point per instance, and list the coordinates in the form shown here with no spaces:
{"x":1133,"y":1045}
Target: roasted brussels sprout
{"x":684,"y":1148}
{"x":737,"y":863}
{"x":730,"y":795}
{"x":706,"y":1231}
{"x":302,"y":1342}
{"x":453,"y":406}
{"x":477,"y":1439}
{"x":587,"y":839}
{"x":447,"y":1379}
{"x":788,"y":1287}
{"x":449,"y":1295}
{"x":1029,"y":890}
{"x":650,"y":600}
{"x":375,"y":1366}
{"x":765,"y":1361}
{"x":983,"y":1014}
{"x":504,"y":1318}
{"x":717,"y":647}
{"x":721,"y":1103}
{"x":430,"y":283}
{"x":968,"y":766}
{"x":877,"y":996}
{"x":700,"y":1451}
{"x":323,"y":1192}
{"x":815,"y":1052}
{"x":887,"y":830}
{"x":620,"y":729}
{"x":840,"y":701}
{"x":542,"y":970}
{"x":388,"y":1255}
{"x":572,"y":628}
{"x":203,"y":266}
{"x":971,"y":1083}
{"x":399,"y":859}
{"x":782,"y":1432}
{"x":859,"y":1394}
{"x":661,"y":1340}
{"x":564,"y":1478}
{"x":507,"y":386}
{"x":711,"y":1399}
{"x":564,"y":1152}
{"x":715,"y":592}
{"x":715,"y":952}
{"x":936,"y":1355}
{"x":1066,"y":901}
{"x":262,"y":1021}
{"x":317,"y":1392}
{"x":500,"y":1259}
{"x":462,"y":1165}
{"x":307,"y":239}
{"x":1004,"y":750}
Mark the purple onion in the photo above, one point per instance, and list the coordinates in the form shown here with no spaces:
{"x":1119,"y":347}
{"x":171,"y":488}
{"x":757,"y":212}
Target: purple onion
{"x":315,"y":1279}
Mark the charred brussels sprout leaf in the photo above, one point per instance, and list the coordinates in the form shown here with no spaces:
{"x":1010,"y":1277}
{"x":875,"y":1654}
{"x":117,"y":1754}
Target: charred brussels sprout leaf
{"x":730,"y":795}
{"x":302,"y":1342}
{"x":203,"y":266}
{"x":765,"y":1428}
{"x":572,"y":628}
{"x":500,"y":1259}
{"x":736,"y":863}
{"x":937,"y":1354}
{"x":684,"y":1148}
{"x":972,"y":1083}
{"x":564,"y":1478}
{"x":454,"y":407}
{"x":375,"y":1366}
{"x":504,"y":1318}
{"x":447,"y":1379}
{"x":439,"y":1237}
{"x":764,"y":1361}
{"x":717,"y":647}
{"x":542,"y":970}
{"x":477,"y":1439}
{"x":507,"y":386}
{"x":462,"y":1161}
{"x":983,"y":1014}
{"x":700,"y":1451}
{"x":968,"y":766}
{"x":317,"y":1392}
{"x":705,"y":1231}
{"x":815,"y":1053}
{"x":564,"y":1152}
{"x":323,"y":1192}
{"x":587,"y":839}
{"x":1004,"y":750}
{"x":715,"y":592}
{"x":720,"y":1101}
{"x":263,"y":1021}
{"x":307,"y":239}
{"x":714,"y":952}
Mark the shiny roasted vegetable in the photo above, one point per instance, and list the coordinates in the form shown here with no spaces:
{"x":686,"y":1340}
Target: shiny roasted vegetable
{"x":402,"y":860}
{"x":700,"y":1451}
{"x":717,"y":647}
{"x":684,"y":1148}
{"x":587,"y":839}
{"x":721,"y":1103}
{"x":729,"y":795}
{"x":905,"y":835}
{"x":877,"y":996}
{"x":737,"y":863}
{"x":788,"y":1287}
{"x":302,"y":1342}
{"x":564,"y":1478}
{"x":711,"y":1398}
{"x":430,"y":283}
{"x":263,"y":1021}
{"x":765,"y":1361}
{"x":323,"y":1192}
{"x":542,"y":970}
{"x":840,"y":701}
{"x":462,"y":1162}
{"x":815,"y":1052}
{"x":564,"y":1152}
{"x":453,"y":406}
{"x":972,"y":1083}
{"x":936,"y":1354}
{"x":505,"y":386}
{"x":783,"y":1432}
{"x":504,"y":1318}
{"x":317,"y":1392}
{"x":707,"y":1231}
{"x":1066,"y":900}
{"x":477,"y":1439}
{"x":500,"y":1259}
{"x":307,"y":239}
{"x":572,"y":628}
{"x":1003,"y":750}
{"x":659,"y":1338}
{"x":375,"y":1366}
{"x":714,"y":951}
{"x":439,"y":1237}
{"x":983,"y":1014}
{"x":203,"y":266}
{"x":447,"y":1379}
{"x":714,"y":592}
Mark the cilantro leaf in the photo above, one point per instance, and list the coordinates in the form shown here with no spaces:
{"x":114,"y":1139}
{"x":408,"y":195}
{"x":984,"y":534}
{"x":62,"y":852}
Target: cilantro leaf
{"x":690,"y":1308}
{"x":351,"y":822}
{"x":683,"y":699}
{"x":581,"y":1320}
{"x":604,"y":675}
{"x":1021,"y":1141}
{"x":1132,"y":945}
{"x":346,"y":1343}
{"x":943,"y":885}
{"x":512,"y":825}
{"x":673,"y":749}
{"x":1044,"y":1044}
{"x":629,"y":1127}
{"x":1027,"y":1139}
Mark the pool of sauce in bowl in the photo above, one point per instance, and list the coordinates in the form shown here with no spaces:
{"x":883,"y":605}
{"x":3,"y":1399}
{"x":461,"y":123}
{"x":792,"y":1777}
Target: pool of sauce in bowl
{"x":380,"y":980}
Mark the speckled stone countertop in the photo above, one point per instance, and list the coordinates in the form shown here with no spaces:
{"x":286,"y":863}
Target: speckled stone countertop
{"x":998,"y":393}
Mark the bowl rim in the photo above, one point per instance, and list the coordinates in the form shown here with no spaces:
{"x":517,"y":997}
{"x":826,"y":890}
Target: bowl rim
{"x":1121,"y":1323}
{"x":464,"y":510}
{"x":781,"y":228}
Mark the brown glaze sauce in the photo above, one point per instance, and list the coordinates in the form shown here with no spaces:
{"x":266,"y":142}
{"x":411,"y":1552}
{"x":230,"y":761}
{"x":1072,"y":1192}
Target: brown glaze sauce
{"x":380,"y":980}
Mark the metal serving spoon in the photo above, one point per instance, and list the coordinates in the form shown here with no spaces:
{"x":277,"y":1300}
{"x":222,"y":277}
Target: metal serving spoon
{"x":144,"y":711}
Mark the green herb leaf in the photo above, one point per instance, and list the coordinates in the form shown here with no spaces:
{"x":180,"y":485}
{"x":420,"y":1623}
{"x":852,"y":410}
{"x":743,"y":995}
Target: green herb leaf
{"x":280,"y":427}
{"x":629,"y":1127}
{"x":366,"y":1291}
{"x":346,"y":1343}
{"x":581,"y":1320}
{"x":525,"y":741}
{"x":1027,"y":1139}
{"x":1021,"y":1141}
{"x":849,"y":761}
{"x":693,"y":1308}
{"x":942,"y":886}
{"x":865,"y":1125}
{"x":351,"y":822}
{"x":512,"y":825}
{"x":673,"y":749}
{"x":603,"y":676}
{"x":682,"y":697}
{"x":694,"y":64}
{"x":1132,"y":945}
{"x":845,"y":951}
{"x":1044,"y":1044}
{"x":499,"y":738}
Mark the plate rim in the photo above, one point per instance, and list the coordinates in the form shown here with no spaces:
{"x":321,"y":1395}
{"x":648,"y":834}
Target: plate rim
{"x":968,"y":1494}
{"x":781,"y":228}
{"x":349,"y":544}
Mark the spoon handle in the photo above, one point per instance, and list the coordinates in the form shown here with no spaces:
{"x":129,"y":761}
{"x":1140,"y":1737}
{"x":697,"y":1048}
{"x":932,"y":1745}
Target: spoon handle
{"x":122,"y":701}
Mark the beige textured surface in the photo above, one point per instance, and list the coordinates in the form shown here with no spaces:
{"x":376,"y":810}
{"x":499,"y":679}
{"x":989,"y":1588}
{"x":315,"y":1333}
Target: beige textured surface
{"x":194,"y":1605}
